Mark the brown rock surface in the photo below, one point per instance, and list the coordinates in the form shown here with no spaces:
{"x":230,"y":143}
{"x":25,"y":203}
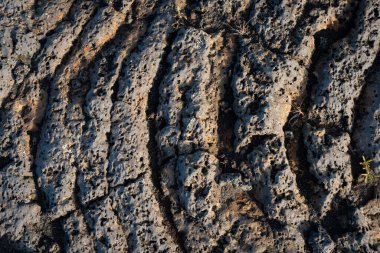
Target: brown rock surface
{"x":189,"y":126}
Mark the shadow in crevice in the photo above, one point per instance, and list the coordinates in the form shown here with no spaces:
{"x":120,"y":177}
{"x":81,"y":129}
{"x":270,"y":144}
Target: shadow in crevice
{"x":4,"y":162}
{"x":340,"y":219}
{"x":9,"y":246}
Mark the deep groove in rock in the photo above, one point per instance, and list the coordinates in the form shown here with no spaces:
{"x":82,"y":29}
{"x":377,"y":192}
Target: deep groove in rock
{"x":131,"y":241}
{"x":308,"y":8}
{"x":9,"y":246}
{"x":58,"y":233}
{"x":296,"y":149}
{"x":4,"y":162}
{"x":116,"y":86}
{"x":37,"y":56}
{"x":306,"y":232}
{"x":321,"y":49}
{"x":338,"y":221}
{"x":46,"y":87}
{"x":256,"y":140}
{"x":227,"y":117}
{"x":22,"y":88}
{"x":121,"y":34}
{"x":78,"y":205}
{"x":136,"y":125}
{"x":34,"y":142}
{"x":356,"y":155}
{"x":153,"y":101}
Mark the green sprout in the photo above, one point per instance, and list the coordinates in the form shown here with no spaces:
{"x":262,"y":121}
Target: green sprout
{"x":180,"y":17}
{"x":368,"y":175}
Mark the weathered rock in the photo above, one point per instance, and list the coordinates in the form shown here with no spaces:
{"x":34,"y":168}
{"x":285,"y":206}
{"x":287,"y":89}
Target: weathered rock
{"x":189,"y":126}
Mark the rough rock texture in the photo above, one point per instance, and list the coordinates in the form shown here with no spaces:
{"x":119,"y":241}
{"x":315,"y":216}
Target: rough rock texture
{"x":189,"y":126}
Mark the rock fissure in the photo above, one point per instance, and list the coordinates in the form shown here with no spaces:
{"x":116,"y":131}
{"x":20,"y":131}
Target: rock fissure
{"x":153,"y":101}
{"x":180,"y":126}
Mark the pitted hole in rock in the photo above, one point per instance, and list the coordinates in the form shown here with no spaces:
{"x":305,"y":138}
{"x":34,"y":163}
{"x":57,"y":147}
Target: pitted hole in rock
{"x":340,"y":219}
{"x":356,"y":167}
{"x":257,"y":104}
{"x":296,"y":152}
{"x":258,"y":140}
{"x":58,"y":232}
{"x":117,"y":4}
{"x":4,"y":162}
{"x":8,"y":246}
{"x":307,"y":229}
{"x":276,"y":225}
{"x":47,"y":243}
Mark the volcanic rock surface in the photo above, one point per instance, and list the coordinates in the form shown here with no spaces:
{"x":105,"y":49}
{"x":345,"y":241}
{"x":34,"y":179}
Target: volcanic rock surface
{"x":189,"y":126}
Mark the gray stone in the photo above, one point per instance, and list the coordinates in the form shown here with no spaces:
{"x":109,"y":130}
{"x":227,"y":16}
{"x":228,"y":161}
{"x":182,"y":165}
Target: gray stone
{"x":189,"y":126}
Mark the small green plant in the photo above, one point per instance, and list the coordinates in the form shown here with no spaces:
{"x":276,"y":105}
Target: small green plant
{"x":180,"y":17}
{"x":368,"y":175}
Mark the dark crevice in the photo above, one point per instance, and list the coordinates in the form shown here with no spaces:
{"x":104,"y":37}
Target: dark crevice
{"x":365,"y":194}
{"x":153,"y":102}
{"x":222,"y":241}
{"x":191,"y":6}
{"x":4,"y":162}
{"x":275,"y":224}
{"x":307,"y":229}
{"x":124,"y":63}
{"x":182,"y":114}
{"x":132,"y":241}
{"x":96,"y":200}
{"x":266,"y":45}
{"x":37,"y":6}
{"x":14,"y":39}
{"x":128,"y":182}
{"x":58,"y":233}
{"x":79,"y":87}
{"x":78,"y":204}
{"x":297,"y":151}
{"x":340,"y":220}
{"x":294,"y":128}
{"x":117,"y":4}
{"x":109,"y":50}
{"x":297,"y":33}
{"x":40,"y":195}
{"x":355,"y":152}
{"x":9,"y":246}
{"x":324,"y":42}
{"x":308,"y":183}
{"x":36,"y":58}
{"x":226,"y":116}
{"x":76,"y":45}
{"x":134,"y":6}
{"x":197,"y":23}
{"x":35,"y":136}
{"x":83,"y":88}
{"x":40,"y":53}
{"x":115,"y":88}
